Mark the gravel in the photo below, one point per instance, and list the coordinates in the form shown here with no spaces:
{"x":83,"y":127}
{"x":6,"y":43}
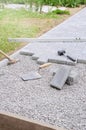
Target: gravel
{"x":35,"y":99}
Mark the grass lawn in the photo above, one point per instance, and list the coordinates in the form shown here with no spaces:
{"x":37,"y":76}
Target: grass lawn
{"x":21,"y":23}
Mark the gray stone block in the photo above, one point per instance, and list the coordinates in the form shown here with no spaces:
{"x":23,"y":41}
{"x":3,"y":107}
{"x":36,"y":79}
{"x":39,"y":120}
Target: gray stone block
{"x":31,"y":76}
{"x":72,"y":78}
{"x":26,"y":52}
{"x":61,"y":60}
{"x":35,"y":57}
{"x":60,"y":77}
{"x":42,"y":60}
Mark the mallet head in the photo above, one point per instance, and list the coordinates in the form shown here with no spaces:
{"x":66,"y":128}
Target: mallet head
{"x":13,"y":61}
{"x":62,"y":52}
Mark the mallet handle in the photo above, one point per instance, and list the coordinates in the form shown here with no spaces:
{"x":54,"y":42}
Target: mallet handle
{"x":71,"y":58}
{"x":5,"y":55}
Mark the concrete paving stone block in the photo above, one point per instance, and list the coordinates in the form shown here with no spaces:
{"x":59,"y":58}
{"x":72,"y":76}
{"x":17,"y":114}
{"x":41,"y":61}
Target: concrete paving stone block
{"x":35,"y":57}
{"x":26,"y":52}
{"x":57,"y":59}
{"x":60,"y":77}
{"x":31,"y":76}
{"x":81,"y":61}
{"x":72,"y":78}
{"x":62,"y":61}
{"x":42,"y":60}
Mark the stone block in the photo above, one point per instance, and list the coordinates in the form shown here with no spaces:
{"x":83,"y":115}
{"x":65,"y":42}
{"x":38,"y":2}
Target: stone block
{"x":72,"y":78}
{"x":31,"y":76}
{"x":60,"y":77}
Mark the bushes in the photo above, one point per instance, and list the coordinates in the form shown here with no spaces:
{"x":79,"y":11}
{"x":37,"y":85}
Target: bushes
{"x":58,"y":11}
{"x":16,"y":1}
{"x":67,"y":3}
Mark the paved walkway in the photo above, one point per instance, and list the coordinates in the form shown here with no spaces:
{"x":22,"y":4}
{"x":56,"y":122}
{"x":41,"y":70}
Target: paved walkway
{"x":74,"y":27}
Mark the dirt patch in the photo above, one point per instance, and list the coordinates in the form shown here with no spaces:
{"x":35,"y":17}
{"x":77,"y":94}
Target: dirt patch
{"x":75,"y":10}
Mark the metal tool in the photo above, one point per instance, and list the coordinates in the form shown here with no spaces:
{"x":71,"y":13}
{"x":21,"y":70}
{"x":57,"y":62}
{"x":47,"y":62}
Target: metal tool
{"x":62,"y":53}
{"x":32,"y":75}
{"x":11,"y":61}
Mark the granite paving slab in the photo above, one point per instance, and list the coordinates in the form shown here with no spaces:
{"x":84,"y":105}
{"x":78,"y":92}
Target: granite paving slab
{"x":60,"y":77}
{"x":74,"y":27}
{"x":33,"y":75}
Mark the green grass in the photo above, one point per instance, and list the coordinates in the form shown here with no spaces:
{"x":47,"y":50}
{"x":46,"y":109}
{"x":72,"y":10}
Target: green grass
{"x":22,"y":13}
{"x":58,"y":11}
{"x":14,"y":30}
{"x":11,"y":26}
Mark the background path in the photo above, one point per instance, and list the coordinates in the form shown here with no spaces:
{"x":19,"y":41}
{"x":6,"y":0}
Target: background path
{"x":73,"y":28}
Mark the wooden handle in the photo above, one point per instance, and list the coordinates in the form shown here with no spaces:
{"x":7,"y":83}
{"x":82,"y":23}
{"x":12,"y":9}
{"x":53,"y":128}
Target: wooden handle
{"x":44,"y":65}
{"x":5,"y":55}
